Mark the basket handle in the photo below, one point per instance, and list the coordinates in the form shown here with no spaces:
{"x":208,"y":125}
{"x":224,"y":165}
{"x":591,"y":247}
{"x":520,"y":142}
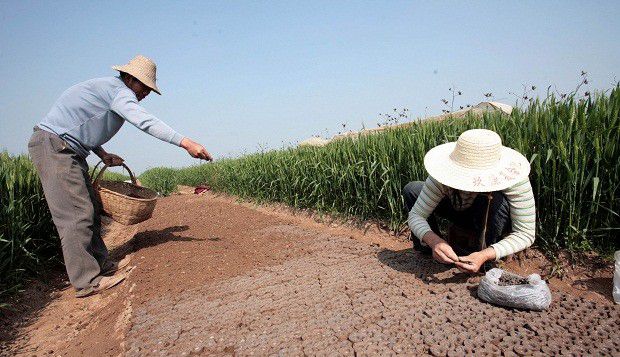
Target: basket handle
{"x":100,"y":173}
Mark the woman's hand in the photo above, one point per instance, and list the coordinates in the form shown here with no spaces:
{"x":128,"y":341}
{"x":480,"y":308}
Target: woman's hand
{"x":473,"y":262}
{"x":442,"y":252}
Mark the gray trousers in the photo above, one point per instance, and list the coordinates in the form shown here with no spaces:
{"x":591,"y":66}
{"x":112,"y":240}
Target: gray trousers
{"x":72,"y":203}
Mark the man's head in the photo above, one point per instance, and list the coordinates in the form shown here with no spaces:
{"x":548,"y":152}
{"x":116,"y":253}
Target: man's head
{"x":140,"y":89}
{"x":139,"y":75}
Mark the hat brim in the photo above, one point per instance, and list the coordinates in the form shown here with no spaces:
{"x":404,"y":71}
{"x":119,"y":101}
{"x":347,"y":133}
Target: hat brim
{"x":146,"y":81}
{"x":512,"y":168}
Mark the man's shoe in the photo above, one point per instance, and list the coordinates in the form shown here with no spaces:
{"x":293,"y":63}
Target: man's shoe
{"x":111,"y":267}
{"x":105,"y":283}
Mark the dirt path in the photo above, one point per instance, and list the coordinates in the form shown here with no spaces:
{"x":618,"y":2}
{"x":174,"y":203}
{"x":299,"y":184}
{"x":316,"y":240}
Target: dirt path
{"x":214,"y":277}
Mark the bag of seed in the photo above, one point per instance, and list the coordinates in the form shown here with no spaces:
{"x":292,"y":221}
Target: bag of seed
{"x":500,"y":287}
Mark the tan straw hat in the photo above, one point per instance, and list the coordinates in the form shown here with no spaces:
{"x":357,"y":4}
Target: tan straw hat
{"x":143,"y":69}
{"x":476,"y":162}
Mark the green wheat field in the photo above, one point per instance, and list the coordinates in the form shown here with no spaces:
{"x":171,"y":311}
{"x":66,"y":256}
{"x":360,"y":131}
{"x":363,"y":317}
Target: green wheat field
{"x":573,"y":145}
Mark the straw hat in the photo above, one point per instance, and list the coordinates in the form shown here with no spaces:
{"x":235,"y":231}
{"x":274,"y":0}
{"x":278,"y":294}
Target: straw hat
{"x":476,"y":162}
{"x":143,"y":69}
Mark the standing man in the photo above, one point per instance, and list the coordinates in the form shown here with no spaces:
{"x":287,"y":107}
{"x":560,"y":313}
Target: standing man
{"x":85,"y":117}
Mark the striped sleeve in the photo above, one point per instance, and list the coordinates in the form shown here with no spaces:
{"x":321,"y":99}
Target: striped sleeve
{"x":429,"y":198}
{"x":523,"y":215}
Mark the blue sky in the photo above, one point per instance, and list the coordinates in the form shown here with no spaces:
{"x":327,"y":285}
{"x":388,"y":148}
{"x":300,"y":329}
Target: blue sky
{"x":239,"y":76}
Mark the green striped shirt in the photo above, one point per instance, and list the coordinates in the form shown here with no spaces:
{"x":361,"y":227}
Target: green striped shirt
{"x":522,"y":213}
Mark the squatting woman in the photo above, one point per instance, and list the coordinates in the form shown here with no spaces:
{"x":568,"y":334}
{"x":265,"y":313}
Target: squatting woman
{"x":479,"y":186}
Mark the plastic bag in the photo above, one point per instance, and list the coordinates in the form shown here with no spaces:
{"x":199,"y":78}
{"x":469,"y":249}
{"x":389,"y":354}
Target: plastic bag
{"x":533,"y":295}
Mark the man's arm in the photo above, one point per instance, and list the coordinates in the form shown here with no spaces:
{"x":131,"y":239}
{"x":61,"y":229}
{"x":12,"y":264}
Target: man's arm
{"x":99,"y":152}
{"x":126,"y":105}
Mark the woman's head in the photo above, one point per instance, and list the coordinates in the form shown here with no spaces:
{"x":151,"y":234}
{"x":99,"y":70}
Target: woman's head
{"x":476,"y":162}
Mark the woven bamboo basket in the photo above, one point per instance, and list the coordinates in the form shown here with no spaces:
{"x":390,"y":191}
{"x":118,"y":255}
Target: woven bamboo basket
{"x":126,"y":203}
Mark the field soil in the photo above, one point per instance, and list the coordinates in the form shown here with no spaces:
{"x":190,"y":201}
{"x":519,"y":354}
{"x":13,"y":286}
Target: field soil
{"x":214,"y":276}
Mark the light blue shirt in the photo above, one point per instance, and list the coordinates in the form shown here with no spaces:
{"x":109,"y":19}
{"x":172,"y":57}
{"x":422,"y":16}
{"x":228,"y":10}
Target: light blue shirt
{"x":90,"y":113}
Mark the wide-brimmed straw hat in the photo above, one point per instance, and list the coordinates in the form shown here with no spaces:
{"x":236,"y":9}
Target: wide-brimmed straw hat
{"x":143,"y":68}
{"x":476,"y":162}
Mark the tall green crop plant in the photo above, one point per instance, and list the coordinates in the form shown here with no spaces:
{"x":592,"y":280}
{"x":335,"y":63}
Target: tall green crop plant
{"x":28,"y":239}
{"x":161,"y":179}
{"x":572,"y":145}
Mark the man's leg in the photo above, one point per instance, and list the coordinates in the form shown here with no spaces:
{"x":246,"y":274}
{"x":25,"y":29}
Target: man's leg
{"x":100,"y":251}
{"x":64,"y":175}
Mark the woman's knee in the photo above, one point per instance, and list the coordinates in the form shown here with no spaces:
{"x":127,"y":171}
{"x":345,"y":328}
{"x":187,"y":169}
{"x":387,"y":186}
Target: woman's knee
{"x":413,"y":188}
{"x":411,"y":191}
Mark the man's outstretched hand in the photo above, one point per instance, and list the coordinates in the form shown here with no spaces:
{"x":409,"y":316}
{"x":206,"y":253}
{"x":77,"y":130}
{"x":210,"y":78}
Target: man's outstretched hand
{"x":195,"y":150}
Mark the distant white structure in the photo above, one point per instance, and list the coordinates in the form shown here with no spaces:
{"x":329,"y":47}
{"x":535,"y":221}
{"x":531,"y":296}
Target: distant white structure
{"x":314,"y":141}
{"x":496,"y":106}
{"x":480,"y":108}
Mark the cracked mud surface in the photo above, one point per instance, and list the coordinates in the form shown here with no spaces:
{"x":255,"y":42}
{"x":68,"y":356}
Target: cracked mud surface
{"x":342,"y":297}
{"x":221,"y":278}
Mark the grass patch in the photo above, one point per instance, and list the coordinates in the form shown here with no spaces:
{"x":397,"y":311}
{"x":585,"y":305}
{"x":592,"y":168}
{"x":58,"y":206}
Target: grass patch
{"x":28,"y":239}
{"x":573,"y":146}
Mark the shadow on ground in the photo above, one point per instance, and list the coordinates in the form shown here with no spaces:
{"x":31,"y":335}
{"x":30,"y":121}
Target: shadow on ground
{"x":151,"y":238}
{"x":420,"y":265}
{"x":603,"y":286}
